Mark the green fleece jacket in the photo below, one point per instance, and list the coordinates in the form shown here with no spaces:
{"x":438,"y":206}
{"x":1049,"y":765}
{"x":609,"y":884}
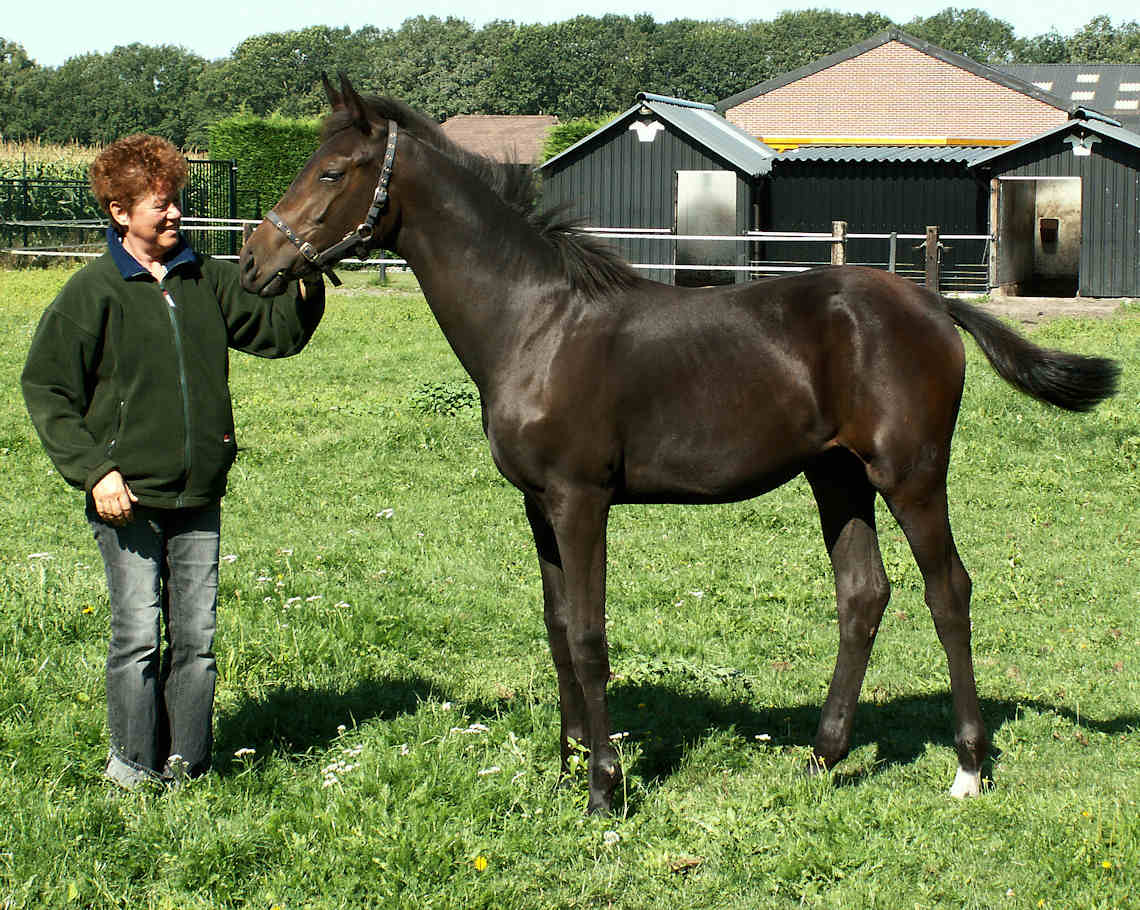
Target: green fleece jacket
{"x":132,"y":374}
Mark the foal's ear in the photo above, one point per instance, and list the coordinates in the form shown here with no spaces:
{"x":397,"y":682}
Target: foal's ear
{"x":335,"y":100}
{"x":354,"y":104}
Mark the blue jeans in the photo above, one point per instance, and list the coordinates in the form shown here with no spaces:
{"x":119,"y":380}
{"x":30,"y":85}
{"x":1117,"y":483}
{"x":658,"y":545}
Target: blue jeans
{"x":162,"y":571}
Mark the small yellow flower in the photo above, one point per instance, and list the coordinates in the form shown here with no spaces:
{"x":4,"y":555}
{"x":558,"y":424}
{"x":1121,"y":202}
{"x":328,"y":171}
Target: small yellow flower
{"x":88,"y":609}
{"x":1106,"y":864}
{"x":481,"y":864}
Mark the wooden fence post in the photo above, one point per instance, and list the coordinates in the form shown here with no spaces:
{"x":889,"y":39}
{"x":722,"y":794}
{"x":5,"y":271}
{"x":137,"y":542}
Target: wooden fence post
{"x":839,"y":243}
{"x":932,"y":259}
{"x":893,"y":257}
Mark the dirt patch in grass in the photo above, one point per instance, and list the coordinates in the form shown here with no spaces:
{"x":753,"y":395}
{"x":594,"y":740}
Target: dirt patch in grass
{"x":1030,"y":310}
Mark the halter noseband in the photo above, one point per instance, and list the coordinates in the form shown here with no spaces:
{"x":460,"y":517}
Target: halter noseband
{"x":355,"y":240}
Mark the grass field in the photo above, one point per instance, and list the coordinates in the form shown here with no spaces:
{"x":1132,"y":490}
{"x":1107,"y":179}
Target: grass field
{"x":387,"y":714}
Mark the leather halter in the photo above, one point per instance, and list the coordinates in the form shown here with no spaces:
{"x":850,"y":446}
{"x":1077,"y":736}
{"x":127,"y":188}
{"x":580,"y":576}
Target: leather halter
{"x":355,"y":240}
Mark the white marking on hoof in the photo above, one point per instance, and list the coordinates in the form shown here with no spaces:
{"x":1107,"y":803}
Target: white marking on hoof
{"x":966,"y":783}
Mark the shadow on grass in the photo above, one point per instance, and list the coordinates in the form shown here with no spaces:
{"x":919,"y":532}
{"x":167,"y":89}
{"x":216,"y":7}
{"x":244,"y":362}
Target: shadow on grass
{"x":296,"y":720}
{"x":667,"y":723}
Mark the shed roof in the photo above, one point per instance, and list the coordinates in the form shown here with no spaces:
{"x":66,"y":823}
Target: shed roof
{"x":699,"y":121}
{"x":887,"y":154}
{"x":500,"y":137}
{"x":1101,"y":128}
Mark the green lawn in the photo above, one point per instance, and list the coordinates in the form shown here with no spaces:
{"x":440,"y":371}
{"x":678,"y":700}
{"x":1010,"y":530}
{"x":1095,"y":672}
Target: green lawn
{"x":389,"y":668}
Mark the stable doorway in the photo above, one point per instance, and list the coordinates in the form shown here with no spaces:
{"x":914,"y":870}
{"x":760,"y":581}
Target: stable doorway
{"x":1037,"y":224}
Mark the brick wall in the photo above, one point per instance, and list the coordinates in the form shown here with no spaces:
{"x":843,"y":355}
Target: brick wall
{"x":895,"y":91}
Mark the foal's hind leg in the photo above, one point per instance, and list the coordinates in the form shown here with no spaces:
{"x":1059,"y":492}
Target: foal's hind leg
{"x":571,"y":703}
{"x":921,"y":510}
{"x":846,"y":503}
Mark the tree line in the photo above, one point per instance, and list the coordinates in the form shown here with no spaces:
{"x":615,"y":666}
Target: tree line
{"x":581,"y":67}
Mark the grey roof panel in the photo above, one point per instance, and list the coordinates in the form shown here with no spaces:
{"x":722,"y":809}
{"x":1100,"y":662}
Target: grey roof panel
{"x":886,"y":154}
{"x":714,"y":132}
{"x":702,"y":123}
{"x":1107,"y":130}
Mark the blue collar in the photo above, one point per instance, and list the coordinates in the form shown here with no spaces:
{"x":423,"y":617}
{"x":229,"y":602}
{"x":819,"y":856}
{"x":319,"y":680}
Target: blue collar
{"x":129,"y":267}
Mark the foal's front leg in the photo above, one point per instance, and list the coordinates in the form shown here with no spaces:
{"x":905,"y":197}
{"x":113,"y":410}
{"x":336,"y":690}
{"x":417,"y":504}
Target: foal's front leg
{"x":578,"y":518}
{"x":571,"y":702}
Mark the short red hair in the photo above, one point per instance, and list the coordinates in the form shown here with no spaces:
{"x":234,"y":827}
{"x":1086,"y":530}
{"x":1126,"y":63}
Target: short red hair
{"x":127,"y":170}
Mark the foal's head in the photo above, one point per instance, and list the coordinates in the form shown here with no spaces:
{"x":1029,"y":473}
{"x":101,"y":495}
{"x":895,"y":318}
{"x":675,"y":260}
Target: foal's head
{"x":326,"y":202}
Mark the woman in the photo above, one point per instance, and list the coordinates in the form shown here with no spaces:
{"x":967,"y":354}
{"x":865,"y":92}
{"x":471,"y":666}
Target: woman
{"x":126,"y":382}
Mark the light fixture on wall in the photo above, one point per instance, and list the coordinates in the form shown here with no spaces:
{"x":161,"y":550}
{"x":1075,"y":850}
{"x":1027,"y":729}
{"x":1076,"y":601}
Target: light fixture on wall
{"x":1082,"y":145}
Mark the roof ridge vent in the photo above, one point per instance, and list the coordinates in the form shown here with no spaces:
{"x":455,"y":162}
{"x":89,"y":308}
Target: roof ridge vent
{"x":680,"y":102}
{"x":1086,"y":113}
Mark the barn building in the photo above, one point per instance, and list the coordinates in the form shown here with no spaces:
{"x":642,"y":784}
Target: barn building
{"x":890,"y":135}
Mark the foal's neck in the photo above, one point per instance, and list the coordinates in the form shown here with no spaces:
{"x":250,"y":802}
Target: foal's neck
{"x":481,"y":265}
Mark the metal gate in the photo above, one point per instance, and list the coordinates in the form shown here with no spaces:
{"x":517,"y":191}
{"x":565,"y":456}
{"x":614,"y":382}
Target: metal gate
{"x":60,"y":215}
{"x":211,"y":192}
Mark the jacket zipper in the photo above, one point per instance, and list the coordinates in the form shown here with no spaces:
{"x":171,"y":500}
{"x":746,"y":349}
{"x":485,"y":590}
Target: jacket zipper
{"x":170,"y":311}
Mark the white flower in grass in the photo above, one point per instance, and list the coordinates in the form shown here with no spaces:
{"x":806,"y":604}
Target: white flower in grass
{"x":386,"y":513}
{"x":264,"y":578}
{"x":292,"y":600}
{"x":40,"y":556}
{"x":286,"y":551}
{"x":344,"y":604}
{"x":340,"y":728}
{"x":494,"y":769}
{"x":473,"y":728}
{"x":313,"y":598}
{"x":610,"y":838}
{"x":230,"y":557}
{"x":245,"y":752}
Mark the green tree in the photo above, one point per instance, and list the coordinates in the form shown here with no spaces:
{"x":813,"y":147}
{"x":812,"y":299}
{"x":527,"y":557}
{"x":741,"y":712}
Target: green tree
{"x":439,"y":66}
{"x":16,"y":72}
{"x":1051,"y":47}
{"x":1102,"y":42}
{"x":97,"y":98}
{"x":970,"y":32}
{"x":278,"y":72}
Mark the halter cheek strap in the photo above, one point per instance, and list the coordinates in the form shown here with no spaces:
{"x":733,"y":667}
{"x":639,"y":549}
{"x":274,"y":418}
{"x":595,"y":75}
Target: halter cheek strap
{"x":355,"y":240}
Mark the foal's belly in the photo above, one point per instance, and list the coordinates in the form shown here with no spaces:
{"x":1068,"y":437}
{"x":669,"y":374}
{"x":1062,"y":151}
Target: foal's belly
{"x":720,"y":452}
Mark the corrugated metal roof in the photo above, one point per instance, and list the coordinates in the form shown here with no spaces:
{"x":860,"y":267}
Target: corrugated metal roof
{"x":1107,"y":130}
{"x":702,"y":123}
{"x":887,"y":154}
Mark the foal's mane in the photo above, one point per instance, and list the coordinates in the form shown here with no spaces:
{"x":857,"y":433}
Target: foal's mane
{"x":591,"y":266}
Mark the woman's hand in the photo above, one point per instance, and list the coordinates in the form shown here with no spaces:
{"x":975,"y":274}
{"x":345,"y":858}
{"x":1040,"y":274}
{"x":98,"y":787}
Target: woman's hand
{"x":114,"y":501}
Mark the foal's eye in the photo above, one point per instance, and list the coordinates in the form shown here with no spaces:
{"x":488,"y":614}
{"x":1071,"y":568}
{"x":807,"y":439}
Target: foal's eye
{"x":331,"y":176}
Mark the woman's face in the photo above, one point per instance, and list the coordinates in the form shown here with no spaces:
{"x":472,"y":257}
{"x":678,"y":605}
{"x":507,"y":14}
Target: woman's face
{"x":151,"y":224}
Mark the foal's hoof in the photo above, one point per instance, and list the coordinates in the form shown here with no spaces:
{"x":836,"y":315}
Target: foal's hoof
{"x":966,"y":783}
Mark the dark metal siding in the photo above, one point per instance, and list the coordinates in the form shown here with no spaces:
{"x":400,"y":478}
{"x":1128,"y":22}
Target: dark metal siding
{"x":1110,"y":207}
{"x":620,"y":182}
{"x":876,"y":198}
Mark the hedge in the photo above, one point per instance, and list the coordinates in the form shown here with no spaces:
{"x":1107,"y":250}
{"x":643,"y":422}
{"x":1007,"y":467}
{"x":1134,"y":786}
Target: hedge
{"x":269,"y":152}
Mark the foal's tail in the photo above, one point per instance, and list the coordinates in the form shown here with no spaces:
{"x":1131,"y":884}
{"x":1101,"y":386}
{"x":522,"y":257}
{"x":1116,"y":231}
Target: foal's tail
{"x":1070,"y":381}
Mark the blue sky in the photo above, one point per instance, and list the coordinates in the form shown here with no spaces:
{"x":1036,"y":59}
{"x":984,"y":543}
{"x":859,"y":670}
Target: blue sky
{"x":53,"y":30}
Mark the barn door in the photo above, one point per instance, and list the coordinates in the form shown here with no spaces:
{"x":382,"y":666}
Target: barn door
{"x":706,"y":205}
